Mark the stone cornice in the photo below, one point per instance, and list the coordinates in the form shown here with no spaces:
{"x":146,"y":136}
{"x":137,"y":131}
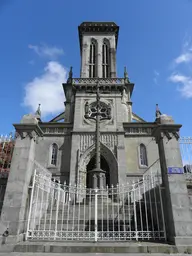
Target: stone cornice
{"x":93,"y":132}
{"x":106,"y":85}
{"x":31,"y":130}
{"x":56,"y":129}
{"x":138,"y":129}
{"x":166,"y":130}
{"x":97,"y":27}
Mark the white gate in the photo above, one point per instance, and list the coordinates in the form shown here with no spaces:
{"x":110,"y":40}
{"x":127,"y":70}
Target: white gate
{"x":61,"y":212}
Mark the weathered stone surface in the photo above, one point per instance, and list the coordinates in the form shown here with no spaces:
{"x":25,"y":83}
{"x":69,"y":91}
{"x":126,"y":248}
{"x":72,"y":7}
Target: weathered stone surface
{"x":178,"y":217}
{"x":138,"y":248}
{"x":29,"y":119}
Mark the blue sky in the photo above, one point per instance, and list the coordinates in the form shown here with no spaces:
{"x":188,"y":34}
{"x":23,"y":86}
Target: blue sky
{"x":39,"y":42}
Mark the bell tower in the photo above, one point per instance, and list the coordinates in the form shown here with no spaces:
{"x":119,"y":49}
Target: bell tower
{"x":98,"y":44}
{"x":99,"y":105}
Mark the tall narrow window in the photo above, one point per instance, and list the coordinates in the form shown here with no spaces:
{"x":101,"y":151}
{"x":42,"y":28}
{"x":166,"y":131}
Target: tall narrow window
{"x":54,"y":152}
{"x":143,"y":155}
{"x":105,"y":59}
{"x":92,"y":59}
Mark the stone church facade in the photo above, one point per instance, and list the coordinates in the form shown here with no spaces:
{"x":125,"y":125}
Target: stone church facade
{"x":126,"y":146}
{"x":130,"y":147}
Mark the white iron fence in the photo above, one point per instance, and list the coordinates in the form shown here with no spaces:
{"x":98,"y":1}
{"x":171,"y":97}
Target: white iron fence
{"x":62,"y":212}
{"x":186,"y":154}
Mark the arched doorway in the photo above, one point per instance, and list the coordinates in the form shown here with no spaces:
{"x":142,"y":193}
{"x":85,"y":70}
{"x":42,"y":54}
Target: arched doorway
{"x":104,"y":166}
{"x":87,"y":162}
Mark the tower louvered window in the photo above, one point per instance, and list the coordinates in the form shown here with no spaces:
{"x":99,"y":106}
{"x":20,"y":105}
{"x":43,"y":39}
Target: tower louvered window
{"x":105,"y":60}
{"x":92,"y":60}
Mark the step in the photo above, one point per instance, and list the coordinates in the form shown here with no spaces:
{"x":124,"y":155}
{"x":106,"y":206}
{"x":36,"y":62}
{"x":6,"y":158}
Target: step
{"x":100,"y":247}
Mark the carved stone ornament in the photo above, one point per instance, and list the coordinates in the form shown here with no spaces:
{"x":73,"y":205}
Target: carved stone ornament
{"x":30,"y":134}
{"x":87,"y":140}
{"x":168,"y":135}
{"x":124,"y":98}
{"x":32,"y":131}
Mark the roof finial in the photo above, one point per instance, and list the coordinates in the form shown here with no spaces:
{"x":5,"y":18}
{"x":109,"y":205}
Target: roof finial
{"x":70,"y":75}
{"x":38,"y":111}
{"x":158,"y":112}
{"x":126,"y":75}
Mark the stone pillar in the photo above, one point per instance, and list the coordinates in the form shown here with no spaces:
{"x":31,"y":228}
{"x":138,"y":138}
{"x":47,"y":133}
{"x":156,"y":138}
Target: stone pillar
{"x":177,"y":213}
{"x":84,"y":60}
{"x":121,"y":160}
{"x":112,"y":53}
{"x":99,"y":60}
{"x":14,"y":209}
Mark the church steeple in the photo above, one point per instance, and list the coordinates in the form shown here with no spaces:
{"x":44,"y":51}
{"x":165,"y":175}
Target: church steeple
{"x":98,"y":44}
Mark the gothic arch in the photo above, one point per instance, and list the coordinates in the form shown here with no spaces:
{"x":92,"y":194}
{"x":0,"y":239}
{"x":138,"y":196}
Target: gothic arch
{"x":106,"y":41}
{"x":93,"y":49}
{"x":106,"y":63}
{"x":86,"y":157}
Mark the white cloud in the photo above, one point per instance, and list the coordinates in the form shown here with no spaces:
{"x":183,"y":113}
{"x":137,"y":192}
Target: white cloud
{"x":47,"y":90}
{"x":186,"y":54}
{"x":183,"y":63}
{"x":43,"y":50}
{"x":156,"y":76}
{"x":184,"y":58}
{"x":185,"y":82}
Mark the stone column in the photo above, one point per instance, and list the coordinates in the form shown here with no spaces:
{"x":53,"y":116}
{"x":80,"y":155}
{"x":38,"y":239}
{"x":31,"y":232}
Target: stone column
{"x":14,"y":209}
{"x":99,"y":60}
{"x":177,"y":213}
{"x":121,"y":159}
{"x":112,"y":54}
{"x":84,"y":61}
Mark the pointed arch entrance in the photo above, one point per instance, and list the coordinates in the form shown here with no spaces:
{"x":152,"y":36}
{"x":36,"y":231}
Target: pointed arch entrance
{"x":108,"y":163}
{"x":104,"y":166}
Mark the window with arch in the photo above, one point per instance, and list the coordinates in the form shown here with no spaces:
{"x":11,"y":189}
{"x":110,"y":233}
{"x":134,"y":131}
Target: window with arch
{"x":105,"y":59}
{"x":54,"y":153}
{"x":92,"y":59}
{"x":143,"y":155}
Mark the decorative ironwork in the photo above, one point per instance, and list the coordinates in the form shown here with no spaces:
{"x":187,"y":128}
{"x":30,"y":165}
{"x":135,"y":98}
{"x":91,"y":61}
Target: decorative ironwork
{"x":121,"y":213}
{"x":186,"y":153}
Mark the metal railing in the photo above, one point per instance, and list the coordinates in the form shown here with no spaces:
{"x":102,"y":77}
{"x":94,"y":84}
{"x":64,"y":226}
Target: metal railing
{"x":186,"y":154}
{"x":65,"y":212}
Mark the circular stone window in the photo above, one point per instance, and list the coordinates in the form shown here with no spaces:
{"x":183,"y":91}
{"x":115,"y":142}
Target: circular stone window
{"x":104,"y":110}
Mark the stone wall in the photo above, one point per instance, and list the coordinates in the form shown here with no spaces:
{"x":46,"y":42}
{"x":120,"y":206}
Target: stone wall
{"x":132,"y":154}
{"x":43,"y":155}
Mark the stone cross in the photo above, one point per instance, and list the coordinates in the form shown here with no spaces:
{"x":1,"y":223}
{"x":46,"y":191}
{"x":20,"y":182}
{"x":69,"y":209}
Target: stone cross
{"x":97,"y":174}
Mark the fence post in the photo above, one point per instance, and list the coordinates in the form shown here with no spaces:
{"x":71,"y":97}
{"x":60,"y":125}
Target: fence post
{"x":31,"y":203}
{"x":96,"y":202}
{"x":57,"y":207}
{"x":134,"y":207}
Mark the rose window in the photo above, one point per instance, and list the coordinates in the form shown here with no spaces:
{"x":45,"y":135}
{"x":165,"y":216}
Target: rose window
{"x":104,"y":110}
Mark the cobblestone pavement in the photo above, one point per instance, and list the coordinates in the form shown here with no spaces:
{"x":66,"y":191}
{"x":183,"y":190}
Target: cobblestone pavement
{"x":87,"y":254}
